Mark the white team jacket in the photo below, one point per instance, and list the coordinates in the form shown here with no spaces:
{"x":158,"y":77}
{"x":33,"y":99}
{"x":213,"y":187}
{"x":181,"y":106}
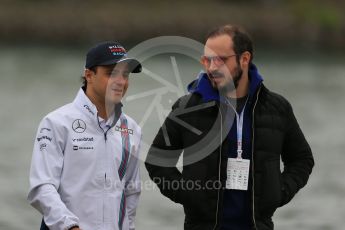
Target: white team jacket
{"x":76,"y":169}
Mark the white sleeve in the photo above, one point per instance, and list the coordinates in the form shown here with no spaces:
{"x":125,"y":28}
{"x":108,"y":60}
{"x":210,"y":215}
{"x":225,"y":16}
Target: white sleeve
{"x":45,"y":174}
{"x":133,"y":186}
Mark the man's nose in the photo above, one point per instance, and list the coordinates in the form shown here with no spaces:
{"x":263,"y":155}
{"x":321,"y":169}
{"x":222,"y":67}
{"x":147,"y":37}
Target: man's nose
{"x":122,"y":81}
{"x":212,"y":66}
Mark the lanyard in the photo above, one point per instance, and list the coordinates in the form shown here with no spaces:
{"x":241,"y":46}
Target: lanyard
{"x":239,"y":121}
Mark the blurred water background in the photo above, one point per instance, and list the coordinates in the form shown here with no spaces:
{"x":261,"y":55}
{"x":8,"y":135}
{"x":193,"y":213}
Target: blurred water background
{"x":300,"y":53}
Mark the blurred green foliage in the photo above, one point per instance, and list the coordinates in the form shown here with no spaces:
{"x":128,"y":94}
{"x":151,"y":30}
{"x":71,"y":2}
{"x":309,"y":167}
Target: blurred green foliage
{"x":325,"y":13}
{"x":312,"y":23}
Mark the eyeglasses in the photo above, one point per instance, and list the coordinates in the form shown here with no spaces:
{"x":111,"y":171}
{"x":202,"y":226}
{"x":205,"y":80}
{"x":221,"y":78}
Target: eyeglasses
{"x":217,"y":60}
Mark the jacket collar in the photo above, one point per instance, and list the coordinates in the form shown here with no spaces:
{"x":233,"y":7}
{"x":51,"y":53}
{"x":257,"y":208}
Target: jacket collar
{"x":202,"y":86}
{"x":89,"y":109}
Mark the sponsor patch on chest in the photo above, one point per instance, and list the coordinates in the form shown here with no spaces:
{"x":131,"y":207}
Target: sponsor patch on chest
{"x":123,"y":130}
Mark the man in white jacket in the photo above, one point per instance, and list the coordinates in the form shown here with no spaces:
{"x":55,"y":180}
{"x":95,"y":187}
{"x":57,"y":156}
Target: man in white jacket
{"x":85,"y":169}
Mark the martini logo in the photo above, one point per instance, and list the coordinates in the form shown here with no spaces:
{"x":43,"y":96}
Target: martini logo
{"x":117,"y":50}
{"x":123,"y":130}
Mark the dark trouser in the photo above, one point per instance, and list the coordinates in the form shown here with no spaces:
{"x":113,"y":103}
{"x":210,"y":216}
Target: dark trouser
{"x":43,"y":226}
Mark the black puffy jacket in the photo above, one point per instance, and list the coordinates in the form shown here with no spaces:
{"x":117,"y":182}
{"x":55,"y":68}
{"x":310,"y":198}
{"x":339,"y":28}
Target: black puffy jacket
{"x":198,"y":129}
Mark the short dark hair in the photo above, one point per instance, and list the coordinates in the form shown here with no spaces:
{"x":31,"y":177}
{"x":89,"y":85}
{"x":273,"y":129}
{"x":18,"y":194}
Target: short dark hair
{"x":241,"y":39}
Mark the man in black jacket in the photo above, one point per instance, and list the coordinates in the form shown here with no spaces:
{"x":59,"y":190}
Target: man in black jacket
{"x":233,"y":132}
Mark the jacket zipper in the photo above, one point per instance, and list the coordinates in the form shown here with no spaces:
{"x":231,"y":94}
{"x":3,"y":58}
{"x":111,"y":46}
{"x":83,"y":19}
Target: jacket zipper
{"x":256,"y":100}
{"x":105,"y":173}
{"x":220,"y":160}
{"x":220,"y":163}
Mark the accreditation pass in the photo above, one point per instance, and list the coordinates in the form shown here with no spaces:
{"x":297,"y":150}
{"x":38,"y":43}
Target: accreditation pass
{"x":237,"y":174}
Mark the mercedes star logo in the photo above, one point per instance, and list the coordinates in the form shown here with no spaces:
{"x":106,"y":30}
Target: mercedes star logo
{"x":78,"y":126}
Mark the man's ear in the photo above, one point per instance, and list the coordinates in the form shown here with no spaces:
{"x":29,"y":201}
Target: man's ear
{"x":88,"y":75}
{"x":245,"y":59}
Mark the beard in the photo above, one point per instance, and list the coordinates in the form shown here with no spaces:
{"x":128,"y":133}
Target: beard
{"x":231,"y":85}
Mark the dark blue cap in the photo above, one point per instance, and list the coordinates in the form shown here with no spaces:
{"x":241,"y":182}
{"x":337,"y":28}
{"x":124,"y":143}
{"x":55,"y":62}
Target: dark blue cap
{"x":110,"y":53}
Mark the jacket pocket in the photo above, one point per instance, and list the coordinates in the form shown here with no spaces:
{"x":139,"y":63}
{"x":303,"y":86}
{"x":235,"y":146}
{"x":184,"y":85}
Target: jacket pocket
{"x":197,"y":206}
{"x":271,"y":194}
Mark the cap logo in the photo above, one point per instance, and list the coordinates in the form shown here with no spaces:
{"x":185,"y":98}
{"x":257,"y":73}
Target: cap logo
{"x":117,"y":50}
